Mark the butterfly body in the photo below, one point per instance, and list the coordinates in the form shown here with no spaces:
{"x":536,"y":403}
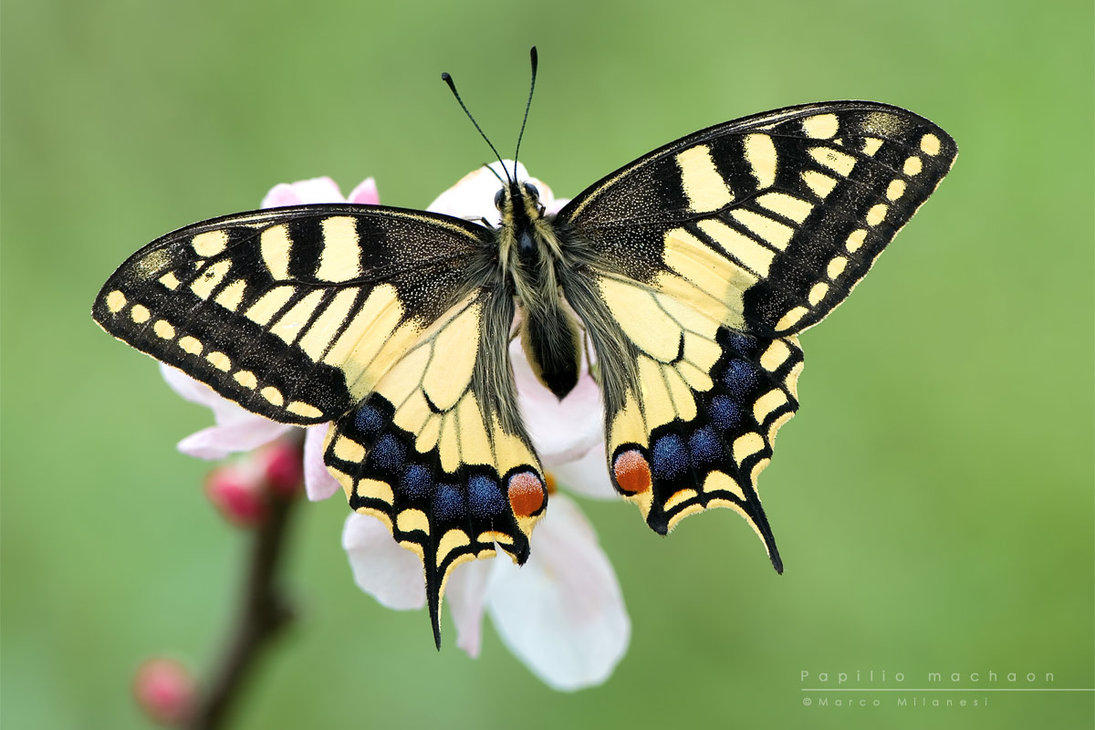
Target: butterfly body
{"x":534,"y":257}
{"x":688,"y":273}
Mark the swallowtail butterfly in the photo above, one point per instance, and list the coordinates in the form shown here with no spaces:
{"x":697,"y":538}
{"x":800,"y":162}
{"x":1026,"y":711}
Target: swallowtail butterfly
{"x":689,"y":272}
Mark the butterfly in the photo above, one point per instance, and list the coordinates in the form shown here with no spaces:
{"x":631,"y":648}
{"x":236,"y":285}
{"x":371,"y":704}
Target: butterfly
{"x":689,"y":273}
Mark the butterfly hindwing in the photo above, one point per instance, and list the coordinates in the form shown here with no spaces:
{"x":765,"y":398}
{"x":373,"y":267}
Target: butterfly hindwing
{"x":438,"y":452}
{"x":294,"y":313}
{"x":767,"y":222}
{"x":692,"y":407}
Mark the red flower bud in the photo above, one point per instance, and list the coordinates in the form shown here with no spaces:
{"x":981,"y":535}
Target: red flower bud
{"x":283,"y":466}
{"x":165,"y":690}
{"x":238,"y":493}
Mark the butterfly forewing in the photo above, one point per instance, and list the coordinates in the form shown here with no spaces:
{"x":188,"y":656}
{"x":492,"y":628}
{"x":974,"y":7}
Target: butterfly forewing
{"x":294,"y":313}
{"x":767,"y":222}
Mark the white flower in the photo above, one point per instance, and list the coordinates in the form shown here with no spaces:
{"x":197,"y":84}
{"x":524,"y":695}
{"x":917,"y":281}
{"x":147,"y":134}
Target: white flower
{"x":561,"y":613}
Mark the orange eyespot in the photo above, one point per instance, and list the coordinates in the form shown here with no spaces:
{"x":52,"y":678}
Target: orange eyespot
{"x":632,"y":472}
{"x":526,"y":494}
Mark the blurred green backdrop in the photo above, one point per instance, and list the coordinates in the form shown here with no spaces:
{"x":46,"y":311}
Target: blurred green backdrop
{"x":933,"y":499}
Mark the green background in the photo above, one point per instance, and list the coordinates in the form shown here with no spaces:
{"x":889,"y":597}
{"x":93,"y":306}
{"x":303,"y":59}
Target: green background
{"x":932,"y":501}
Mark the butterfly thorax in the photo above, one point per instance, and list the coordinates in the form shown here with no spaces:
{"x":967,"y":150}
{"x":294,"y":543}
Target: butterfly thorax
{"x":531,"y":257}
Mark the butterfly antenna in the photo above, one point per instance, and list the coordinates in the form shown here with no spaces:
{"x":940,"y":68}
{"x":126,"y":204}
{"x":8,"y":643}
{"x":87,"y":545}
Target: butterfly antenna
{"x":492,"y":172}
{"x":452,"y":87}
{"x":528,"y":104}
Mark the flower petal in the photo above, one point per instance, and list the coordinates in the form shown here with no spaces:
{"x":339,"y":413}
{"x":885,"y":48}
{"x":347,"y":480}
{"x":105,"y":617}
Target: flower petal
{"x":561,"y":430}
{"x":280,"y":196}
{"x":389,"y":573}
{"x":301,"y":192}
{"x":465,"y":596}
{"x":556,"y":205}
{"x":587,"y":476}
{"x":224,"y":410}
{"x":190,"y":389}
{"x":236,"y":429}
{"x":217,"y":442}
{"x":562,"y":612}
{"x":365,"y":193}
{"x":318,"y":482}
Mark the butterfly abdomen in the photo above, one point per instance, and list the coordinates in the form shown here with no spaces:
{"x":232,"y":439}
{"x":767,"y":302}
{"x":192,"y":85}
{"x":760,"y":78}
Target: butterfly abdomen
{"x":552,"y":343}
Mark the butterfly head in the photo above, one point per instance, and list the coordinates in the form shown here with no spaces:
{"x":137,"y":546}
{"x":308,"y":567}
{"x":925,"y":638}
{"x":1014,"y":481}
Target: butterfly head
{"x":518,"y":203}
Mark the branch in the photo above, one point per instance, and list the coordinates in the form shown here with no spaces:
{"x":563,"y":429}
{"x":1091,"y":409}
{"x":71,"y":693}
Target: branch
{"x":264,"y":612}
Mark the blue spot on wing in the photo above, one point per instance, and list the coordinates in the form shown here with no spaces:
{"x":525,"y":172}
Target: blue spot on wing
{"x":725,"y":412}
{"x":416,"y":482}
{"x":485,"y":499}
{"x":448,"y":503}
{"x":369,"y":420}
{"x":706,"y":447}
{"x":742,"y":344}
{"x":387,"y":454}
{"x":670,"y":457}
{"x":740,"y":376}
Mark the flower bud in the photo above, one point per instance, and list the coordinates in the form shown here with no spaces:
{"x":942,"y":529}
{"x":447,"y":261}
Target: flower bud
{"x":283,"y":466}
{"x":237,"y":490}
{"x":165,"y":690}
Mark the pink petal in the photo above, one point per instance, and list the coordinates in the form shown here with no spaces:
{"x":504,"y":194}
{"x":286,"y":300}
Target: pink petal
{"x":301,"y":192}
{"x":318,"y":482}
{"x":217,"y":442}
{"x":365,"y":193}
{"x":587,"y":476}
{"x":389,"y":573}
{"x":280,"y":195}
{"x":465,"y":595}
{"x":236,"y":429}
{"x":561,"y":430}
{"x":562,"y":613}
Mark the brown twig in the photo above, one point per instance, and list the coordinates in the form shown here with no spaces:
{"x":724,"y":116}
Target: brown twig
{"x":263,"y":613}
